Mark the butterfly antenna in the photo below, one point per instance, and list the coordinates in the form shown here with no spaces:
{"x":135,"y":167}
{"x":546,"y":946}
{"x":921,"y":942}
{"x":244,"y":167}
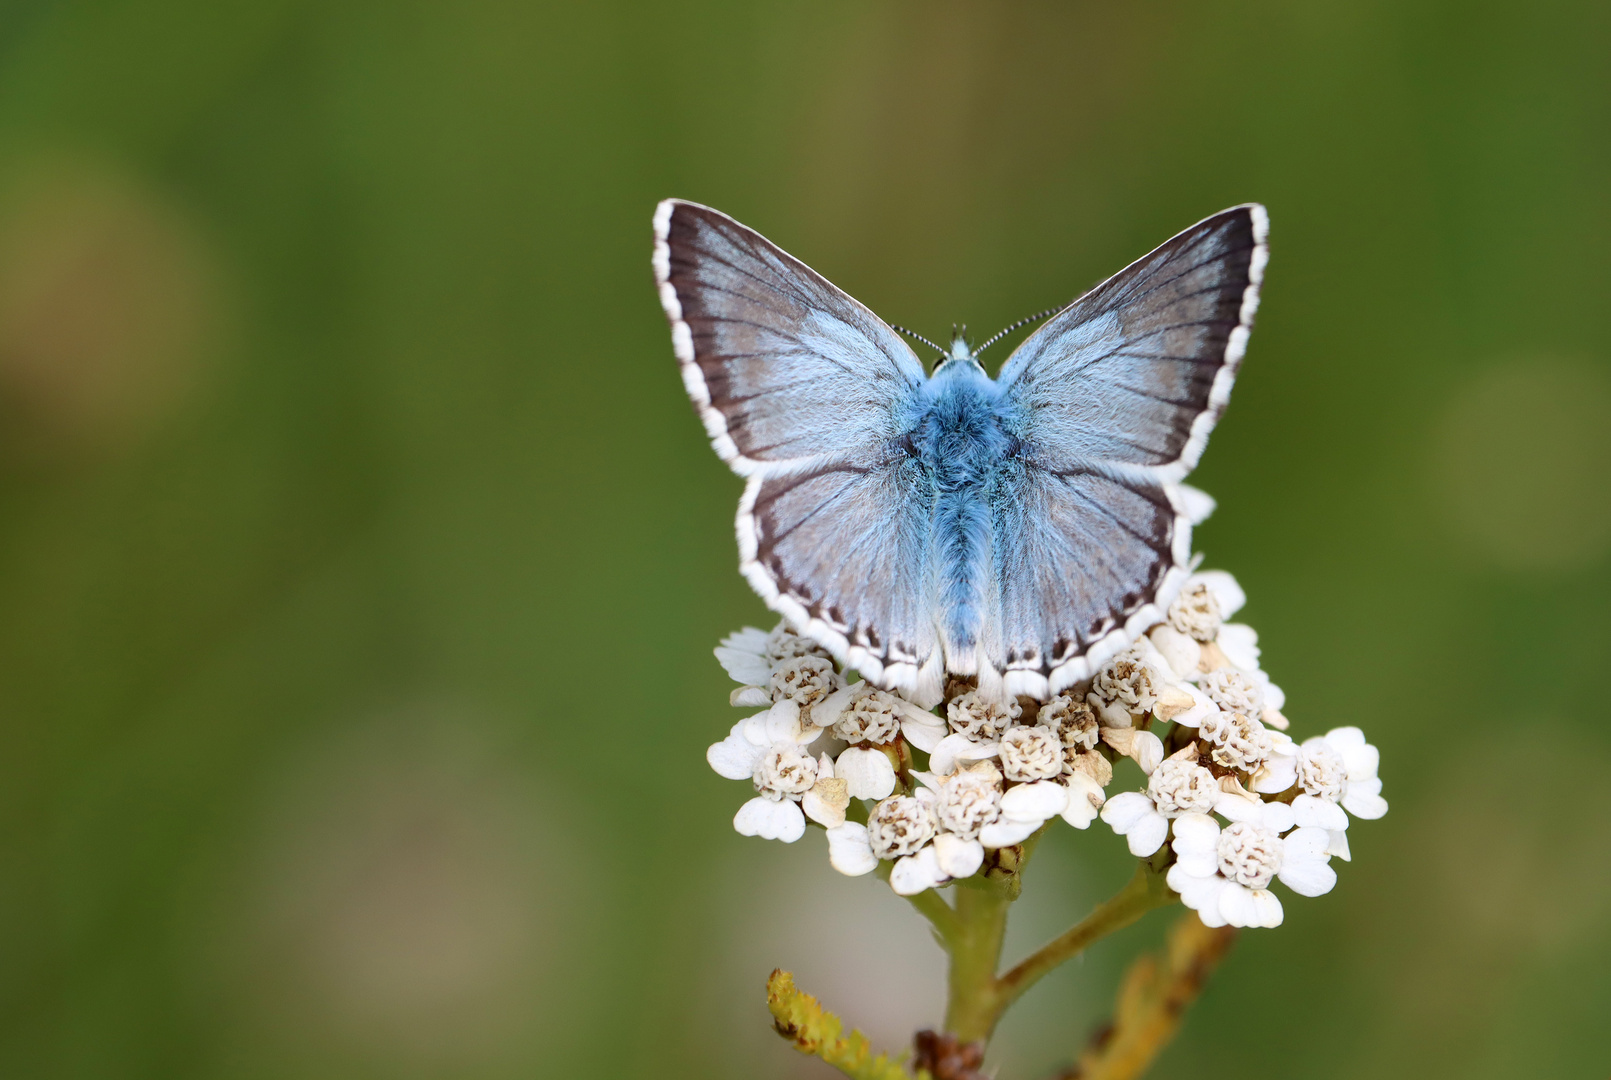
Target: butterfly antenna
{"x":918,"y":337}
{"x":1025,"y":321}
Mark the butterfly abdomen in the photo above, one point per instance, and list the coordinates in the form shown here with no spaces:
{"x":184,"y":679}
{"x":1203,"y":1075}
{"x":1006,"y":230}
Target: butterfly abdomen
{"x":962,"y":445}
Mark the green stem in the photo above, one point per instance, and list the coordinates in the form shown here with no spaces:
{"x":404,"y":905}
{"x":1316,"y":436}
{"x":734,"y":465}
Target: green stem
{"x":972,"y":1006}
{"x":1145,"y":891}
{"x":980,"y":916}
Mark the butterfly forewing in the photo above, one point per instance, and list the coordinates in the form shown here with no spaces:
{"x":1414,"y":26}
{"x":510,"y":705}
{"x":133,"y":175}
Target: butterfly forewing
{"x":783,"y":365}
{"x":1137,"y":370}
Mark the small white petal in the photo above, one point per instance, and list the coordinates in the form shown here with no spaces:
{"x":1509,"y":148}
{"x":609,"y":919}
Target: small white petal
{"x":1363,"y":762}
{"x":1308,"y":877}
{"x":748,"y":639}
{"x":1205,"y":707}
{"x":1343,"y":739}
{"x":1305,"y":842}
{"x":1109,"y":715}
{"x":1125,"y":809}
{"x":1236,"y":905}
{"x":826,"y":712}
{"x":867,"y":773}
{"x":1148,"y":751}
{"x":958,"y":858}
{"x":1307,"y":810}
{"x":1005,"y":832}
{"x":1148,"y":835}
{"x":1278,"y":816}
{"x":1180,"y":651}
{"x":1363,"y":803}
{"x":1371,"y":786}
{"x":1266,"y":908}
{"x":1240,"y":644}
{"x":1277,"y":774}
{"x":922,"y":729}
{"x":771,"y":820}
{"x":1200,"y":893}
{"x":1225,"y":589}
{"x":750,"y":695}
{"x":783,"y":722}
{"x":743,"y":656}
{"x":1338,"y":847}
{"x":914,"y":873}
{"x":1079,"y":812}
{"x":849,"y":851}
{"x":955,"y":751}
{"x":927,"y":779}
{"x":1194,"y":845}
{"x":755,"y":728}
{"x":1083,"y":783}
{"x":825,"y":768}
{"x":1303,"y":863}
{"x":1035,"y":802}
{"x":734,"y":757}
{"x":1234,"y":807}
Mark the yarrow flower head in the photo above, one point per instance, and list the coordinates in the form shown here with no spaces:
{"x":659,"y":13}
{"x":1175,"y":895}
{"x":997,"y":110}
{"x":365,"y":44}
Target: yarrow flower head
{"x":1226,"y":799}
{"x":978,"y":719}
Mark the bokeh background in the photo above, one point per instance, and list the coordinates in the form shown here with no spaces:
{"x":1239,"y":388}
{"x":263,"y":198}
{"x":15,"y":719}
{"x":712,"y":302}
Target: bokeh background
{"x":360,"y":558}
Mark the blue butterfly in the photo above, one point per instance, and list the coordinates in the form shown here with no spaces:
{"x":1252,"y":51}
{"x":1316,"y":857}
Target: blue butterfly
{"x":1021,"y":530}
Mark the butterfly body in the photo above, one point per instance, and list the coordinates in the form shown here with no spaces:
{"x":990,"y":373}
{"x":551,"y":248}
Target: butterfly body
{"x":963,"y":451}
{"x":1019,"y":530}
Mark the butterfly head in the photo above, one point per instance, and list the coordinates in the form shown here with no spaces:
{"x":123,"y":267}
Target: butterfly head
{"x":961,"y":350}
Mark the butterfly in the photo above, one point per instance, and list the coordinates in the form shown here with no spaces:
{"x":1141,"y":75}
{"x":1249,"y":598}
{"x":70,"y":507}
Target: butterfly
{"x":1020,"y":530}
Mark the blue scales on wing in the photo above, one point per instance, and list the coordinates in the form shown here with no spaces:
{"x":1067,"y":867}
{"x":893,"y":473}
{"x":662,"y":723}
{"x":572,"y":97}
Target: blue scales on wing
{"x":1114,"y":399}
{"x":806,"y":394}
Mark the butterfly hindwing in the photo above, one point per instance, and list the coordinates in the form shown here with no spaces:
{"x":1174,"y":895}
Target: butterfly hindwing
{"x":848,"y":546}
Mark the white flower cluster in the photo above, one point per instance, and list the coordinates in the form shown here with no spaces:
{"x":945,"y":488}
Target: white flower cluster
{"x":842,"y":755}
{"x":1285,"y":805}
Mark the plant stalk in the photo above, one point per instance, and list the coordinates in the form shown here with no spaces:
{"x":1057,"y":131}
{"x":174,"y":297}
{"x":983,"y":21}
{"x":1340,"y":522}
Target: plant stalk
{"x":973,"y":930}
{"x":972,"y":1005}
{"x":1145,"y":891}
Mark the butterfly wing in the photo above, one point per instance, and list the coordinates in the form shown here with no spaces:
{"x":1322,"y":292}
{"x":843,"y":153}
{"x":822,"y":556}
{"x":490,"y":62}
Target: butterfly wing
{"x":1115,"y":397}
{"x":805,"y":393}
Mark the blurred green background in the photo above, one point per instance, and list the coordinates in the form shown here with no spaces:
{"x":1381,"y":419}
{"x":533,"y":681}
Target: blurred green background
{"x":360,"y":558}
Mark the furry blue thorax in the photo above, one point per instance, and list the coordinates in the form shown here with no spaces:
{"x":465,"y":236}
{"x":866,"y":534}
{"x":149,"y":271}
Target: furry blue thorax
{"x":963,"y":441}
